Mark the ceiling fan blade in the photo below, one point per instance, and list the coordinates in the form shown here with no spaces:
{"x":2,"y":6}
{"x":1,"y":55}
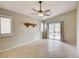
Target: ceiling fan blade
{"x":46,"y":14}
{"x":34,"y":10}
{"x":48,"y":10}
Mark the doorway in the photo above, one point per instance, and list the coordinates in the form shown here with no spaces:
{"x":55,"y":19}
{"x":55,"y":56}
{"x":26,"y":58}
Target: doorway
{"x":55,"y":31}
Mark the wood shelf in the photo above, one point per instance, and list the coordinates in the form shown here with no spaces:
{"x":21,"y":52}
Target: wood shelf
{"x":30,"y":24}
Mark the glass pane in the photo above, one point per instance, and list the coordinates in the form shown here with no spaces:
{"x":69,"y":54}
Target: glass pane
{"x":55,"y":31}
{"x":51,"y":36}
{"x":42,"y":27}
{"x":51,"y":31}
{"x":5,"y":25}
{"x":57,"y":27}
{"x":57,"y":36}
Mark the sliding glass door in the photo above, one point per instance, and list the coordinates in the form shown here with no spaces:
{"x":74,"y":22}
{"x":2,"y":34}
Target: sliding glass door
{"x":54,"y":31}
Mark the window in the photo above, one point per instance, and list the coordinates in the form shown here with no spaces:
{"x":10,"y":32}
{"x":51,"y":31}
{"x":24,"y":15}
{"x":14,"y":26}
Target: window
{"x":5,"y":25}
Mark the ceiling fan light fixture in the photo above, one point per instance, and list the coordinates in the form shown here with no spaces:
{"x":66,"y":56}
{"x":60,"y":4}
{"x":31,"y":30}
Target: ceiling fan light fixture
{"x":40,"y":14}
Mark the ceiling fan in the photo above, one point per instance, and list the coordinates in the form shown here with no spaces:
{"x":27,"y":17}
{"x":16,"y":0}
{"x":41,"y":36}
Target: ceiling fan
{"x":40,"y":12}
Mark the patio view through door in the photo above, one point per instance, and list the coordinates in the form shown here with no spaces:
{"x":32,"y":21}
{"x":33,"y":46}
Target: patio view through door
{"x":55,"y":31}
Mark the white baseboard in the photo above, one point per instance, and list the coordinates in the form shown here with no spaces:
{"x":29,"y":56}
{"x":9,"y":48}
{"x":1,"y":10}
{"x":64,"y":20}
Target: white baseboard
{"x":17,"y":45}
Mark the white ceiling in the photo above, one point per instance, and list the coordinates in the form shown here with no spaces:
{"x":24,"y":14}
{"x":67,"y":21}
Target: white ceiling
{"x":24,"y":7}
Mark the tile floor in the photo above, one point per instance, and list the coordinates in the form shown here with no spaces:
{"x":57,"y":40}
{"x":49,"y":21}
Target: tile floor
{"x":42,"y":49}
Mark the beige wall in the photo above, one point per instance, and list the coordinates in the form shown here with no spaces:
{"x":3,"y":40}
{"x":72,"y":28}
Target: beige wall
{"x":69,"y":20}
{"x":22,"y":34}
{"x":78,"y":24}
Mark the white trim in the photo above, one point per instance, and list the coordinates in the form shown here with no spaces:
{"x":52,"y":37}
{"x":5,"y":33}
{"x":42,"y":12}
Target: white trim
{"x":17,"y":45}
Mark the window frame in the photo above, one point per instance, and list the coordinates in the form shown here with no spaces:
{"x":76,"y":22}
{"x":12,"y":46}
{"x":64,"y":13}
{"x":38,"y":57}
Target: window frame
{"x":7,"y":34}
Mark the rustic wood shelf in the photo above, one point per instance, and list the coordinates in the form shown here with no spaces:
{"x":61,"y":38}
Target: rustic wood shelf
{"x":30,"y":24}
